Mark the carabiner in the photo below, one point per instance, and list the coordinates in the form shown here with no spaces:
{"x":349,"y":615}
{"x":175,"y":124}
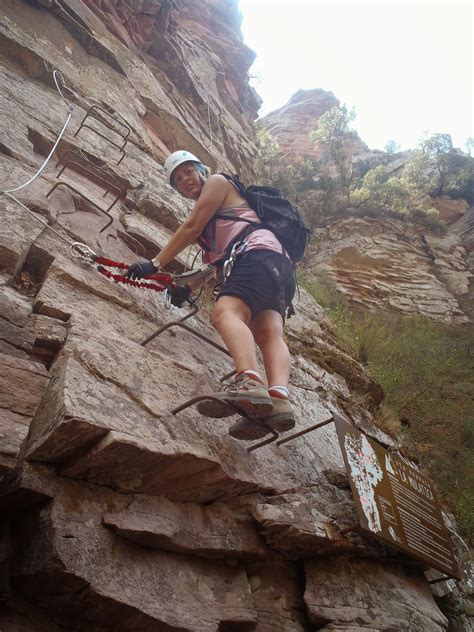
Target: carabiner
{"x":167,"y":298}
{"x":237,"y":249}
{"x":83,"y":252}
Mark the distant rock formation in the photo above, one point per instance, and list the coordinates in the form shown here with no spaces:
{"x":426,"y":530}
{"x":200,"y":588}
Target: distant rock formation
{"x":292,"y":124}
{"x":382,"y":262}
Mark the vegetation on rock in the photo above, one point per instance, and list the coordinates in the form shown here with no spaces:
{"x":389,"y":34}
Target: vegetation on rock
{"x":391,"y":184}
{"x":426,"y":370}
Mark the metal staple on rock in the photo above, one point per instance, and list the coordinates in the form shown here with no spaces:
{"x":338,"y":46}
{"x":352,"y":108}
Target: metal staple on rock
{"x":8,"y":192}
{"x":78,"y":250}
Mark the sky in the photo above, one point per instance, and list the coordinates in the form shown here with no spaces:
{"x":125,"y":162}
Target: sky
{"x":405,"y":66}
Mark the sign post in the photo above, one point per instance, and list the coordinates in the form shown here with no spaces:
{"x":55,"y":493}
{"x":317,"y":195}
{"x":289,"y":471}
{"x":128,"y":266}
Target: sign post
{"x":394,"y":502}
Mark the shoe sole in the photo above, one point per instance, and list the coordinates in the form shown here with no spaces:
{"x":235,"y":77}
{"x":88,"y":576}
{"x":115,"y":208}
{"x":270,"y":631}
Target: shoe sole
{"x":280,"y":422}
{"x":249,"y":431}
{"x":253,"y":406}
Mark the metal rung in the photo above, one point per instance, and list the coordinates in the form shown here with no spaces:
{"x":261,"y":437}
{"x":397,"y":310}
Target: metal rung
{"x":84,"y":197}
{"x":93,"y":112}
{"x":77,"y":162}
{"x":440,"y":579}
{"x":180,"y":323}
{"x":354,"y":528}
{"x":290,"y":437}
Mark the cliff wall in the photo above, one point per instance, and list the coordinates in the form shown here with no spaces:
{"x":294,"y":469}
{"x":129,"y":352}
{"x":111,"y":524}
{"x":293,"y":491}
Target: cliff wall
{"x":390,"y":264}
{"x":379,"y":262}
{"x":117,"y":514}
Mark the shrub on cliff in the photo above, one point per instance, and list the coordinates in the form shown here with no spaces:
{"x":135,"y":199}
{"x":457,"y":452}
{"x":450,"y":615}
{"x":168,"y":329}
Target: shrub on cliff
{"x":426,"y":370}
{"x":438,"y":168}
{"x":382,"y":194}
{"x":334,"y":187}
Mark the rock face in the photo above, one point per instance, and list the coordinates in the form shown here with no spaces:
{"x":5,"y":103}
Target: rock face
{"x":383,"y":263}
{"x":347,"y":604}
{"x":387,"y":264}
{"x":292,"y":124}
{"x":115,"y":513}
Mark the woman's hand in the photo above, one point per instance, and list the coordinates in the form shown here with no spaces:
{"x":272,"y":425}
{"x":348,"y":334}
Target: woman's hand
{"x":141,"y":269}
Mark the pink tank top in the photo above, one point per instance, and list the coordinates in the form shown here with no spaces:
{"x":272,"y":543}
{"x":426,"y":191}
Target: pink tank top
{"x":219,"y":233}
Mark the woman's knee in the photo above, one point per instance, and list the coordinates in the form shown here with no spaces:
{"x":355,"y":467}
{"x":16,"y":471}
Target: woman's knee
{"x":268,"y":333}
{"x":216,"y":315}
{"x":229,"y":306}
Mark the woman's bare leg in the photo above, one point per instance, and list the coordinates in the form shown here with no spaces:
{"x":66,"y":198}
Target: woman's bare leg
{"x":231,"y":317}
{"x":267,"y":329}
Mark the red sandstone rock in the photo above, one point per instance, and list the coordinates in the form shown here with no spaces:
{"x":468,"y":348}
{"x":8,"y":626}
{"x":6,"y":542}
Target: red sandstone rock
{"x":22,"y":384}
{"x":386,"y":263}
{"x":276,"y":592}
{"x":449,"y":210}
{"x":216,"y":531}
{"x":103,"y":425}
{"x":72,"y":566}
{"x":292,"y":124}
{"x":356,"y":595}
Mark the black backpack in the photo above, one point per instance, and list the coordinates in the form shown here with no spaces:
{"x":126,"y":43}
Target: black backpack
{"x":277,"y":214}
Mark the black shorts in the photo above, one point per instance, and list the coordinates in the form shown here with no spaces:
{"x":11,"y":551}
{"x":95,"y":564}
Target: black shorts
{"x":263,"y":279}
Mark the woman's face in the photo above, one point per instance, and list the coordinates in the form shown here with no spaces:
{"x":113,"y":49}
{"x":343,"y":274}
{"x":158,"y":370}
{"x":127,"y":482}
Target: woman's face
{"x":186,"y":179}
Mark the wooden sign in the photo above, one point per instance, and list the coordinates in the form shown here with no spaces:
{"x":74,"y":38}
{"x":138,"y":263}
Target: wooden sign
{"x":395,"y":503}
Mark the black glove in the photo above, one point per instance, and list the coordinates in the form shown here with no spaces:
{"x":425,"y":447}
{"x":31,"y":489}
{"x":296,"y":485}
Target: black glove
{"x":179,"y":294}
{"x":141,"y":269}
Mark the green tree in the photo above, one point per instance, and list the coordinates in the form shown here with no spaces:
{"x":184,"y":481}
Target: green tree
{"x":392,"y":147}
{"x":470,"y":146}
{"x":268,"y":151}
{"x":335,"y":137}
{"x":438,"y":168}
{"x":438,"y":150}
{"x":381,"y":193}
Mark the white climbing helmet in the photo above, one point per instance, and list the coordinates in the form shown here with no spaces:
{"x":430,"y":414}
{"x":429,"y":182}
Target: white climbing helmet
{"x":177,"y":158}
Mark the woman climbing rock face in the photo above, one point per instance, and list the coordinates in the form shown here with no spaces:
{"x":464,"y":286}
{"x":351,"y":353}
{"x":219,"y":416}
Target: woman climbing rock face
{"x":256,"y":286}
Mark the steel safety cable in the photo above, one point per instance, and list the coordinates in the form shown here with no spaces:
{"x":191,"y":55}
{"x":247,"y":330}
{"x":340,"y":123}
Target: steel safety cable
{"x":162,"y":280}
{"x":40,"y":170}
{"x":69,"y":242}
{"x":8,"y":192}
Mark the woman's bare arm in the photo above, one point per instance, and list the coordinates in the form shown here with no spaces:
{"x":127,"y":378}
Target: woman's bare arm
{"x":214,"y":194}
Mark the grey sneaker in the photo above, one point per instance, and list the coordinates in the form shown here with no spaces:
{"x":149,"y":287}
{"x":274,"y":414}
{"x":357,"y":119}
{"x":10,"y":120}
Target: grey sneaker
{"x":249,"y":395}
{"x":281,"y":419}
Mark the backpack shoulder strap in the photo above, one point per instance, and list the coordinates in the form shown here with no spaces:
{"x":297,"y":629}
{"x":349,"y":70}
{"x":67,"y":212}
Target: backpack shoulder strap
{"x":237,"y":184}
